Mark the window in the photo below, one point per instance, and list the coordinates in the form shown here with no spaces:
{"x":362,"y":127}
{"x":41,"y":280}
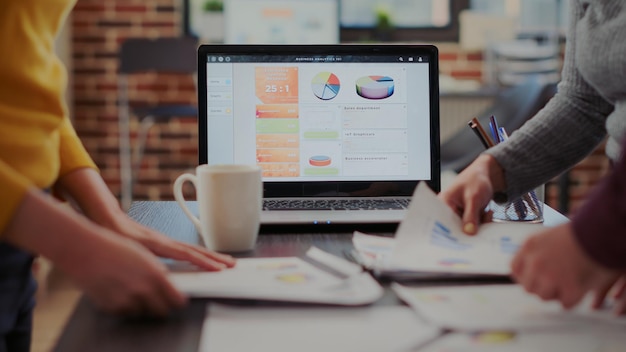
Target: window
{"x":400,"y":20}
{"x":400,"y":13}
{"x":378,"y":20}
{"x":534,"y":16}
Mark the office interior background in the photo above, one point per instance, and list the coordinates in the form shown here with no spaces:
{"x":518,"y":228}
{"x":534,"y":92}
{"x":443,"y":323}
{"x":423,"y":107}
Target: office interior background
{"x":467,"y":33}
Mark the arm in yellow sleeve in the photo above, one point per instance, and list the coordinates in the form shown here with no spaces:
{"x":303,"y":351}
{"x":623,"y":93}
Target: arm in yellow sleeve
{"x":72,"y":152}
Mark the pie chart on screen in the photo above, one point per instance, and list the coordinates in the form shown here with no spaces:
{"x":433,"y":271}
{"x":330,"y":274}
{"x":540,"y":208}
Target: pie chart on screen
{"x":375,"y":87}
{"x":325,"y":85}
{"x":320,"y":160}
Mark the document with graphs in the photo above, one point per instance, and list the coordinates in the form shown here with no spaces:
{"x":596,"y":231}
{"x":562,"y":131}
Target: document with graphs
{"x":430,"y":239}
{"x":506,"y":307}
{"x":285,"y":279}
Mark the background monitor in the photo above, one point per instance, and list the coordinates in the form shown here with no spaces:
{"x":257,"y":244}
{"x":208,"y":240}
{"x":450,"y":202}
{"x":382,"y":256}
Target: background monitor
{"x":281,"y":22}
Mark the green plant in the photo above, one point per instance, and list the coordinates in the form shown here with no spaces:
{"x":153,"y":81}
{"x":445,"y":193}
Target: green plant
{"x":383,"y":19}
{"x":213,"y":6}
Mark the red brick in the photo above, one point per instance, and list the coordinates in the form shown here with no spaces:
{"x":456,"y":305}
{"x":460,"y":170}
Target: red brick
{"x":106,"y":87}
{"x":160,"y":24}
{"x":466,"y":74}
{"x":88,"y":39}
{"x":474,"y":57}
{"x":131,"y":8}
{"x":154,"y":87}
{"x":448,"y":56}
{"x":82,"y":6}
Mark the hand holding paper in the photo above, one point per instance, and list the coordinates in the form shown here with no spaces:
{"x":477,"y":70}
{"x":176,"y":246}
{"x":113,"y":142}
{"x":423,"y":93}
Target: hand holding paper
{"x":552,"y":265}
{"x":430,"y":238}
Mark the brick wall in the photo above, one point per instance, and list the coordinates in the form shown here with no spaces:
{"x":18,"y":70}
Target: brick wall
{"x":99,"y":27}
{"x":459,"y":63}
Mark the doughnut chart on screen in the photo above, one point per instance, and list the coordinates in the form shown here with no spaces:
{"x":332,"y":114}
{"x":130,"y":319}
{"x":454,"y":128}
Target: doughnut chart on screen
{"x":375,"y":87}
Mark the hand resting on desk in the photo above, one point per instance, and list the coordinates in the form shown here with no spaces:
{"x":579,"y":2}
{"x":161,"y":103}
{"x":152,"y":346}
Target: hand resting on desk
{"x":110,"y":256}
{"x":552,"y":265}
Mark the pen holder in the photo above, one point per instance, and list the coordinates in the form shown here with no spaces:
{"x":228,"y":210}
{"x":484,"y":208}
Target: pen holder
{"x":527,"y":208}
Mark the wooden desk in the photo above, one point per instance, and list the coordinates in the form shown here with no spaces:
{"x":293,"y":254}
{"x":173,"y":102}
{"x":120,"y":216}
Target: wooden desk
{"x":89,"y":330}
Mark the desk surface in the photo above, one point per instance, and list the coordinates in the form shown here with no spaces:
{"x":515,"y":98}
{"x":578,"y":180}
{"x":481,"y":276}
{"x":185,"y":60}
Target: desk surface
{"x":89,"y":330}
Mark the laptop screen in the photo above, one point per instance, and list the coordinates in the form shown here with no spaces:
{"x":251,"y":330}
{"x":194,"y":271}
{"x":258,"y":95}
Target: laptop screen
{"x":334,"y":120}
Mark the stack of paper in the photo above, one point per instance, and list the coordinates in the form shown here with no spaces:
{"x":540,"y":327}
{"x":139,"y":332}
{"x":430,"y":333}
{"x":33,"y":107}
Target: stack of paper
{"x":288,"y":279}
{"x":506,"y":318}
{"x":498,"y":307}
{"x":430,"y":239}
{"x":391,"y":328}
{"x":576,"y":340}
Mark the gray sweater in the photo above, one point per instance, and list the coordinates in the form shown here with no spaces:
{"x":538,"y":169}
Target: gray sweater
{"x":591,"y":100}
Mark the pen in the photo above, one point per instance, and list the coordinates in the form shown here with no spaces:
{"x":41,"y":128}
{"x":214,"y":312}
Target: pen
{"x":531,"y":200}
{"x":493,"y":124}
{"x":494,"y":134}
{"x":518,"y":205}
{"x":520,"y":208}
{"x":502,"y":133}
{"x":474,"y":128}
{"x":480,"y":128}
{"x":527,"y":201}
{"x":534,"y":202}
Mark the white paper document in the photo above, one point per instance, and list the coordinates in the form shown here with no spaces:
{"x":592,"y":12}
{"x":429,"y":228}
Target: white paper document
{"x":374,"y":251}
{"x":430,"y":239}
{"x":499,"y":307}
{"x":288,"y":279}
{"x":314,"y":329}
{"x":572,"y":340}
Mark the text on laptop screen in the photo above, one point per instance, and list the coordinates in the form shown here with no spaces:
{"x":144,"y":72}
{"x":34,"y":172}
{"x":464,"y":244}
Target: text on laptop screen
{"x":308,"y":117}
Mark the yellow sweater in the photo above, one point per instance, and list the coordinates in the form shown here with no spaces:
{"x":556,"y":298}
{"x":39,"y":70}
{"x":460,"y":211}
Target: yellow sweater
{"x":37,"y":141}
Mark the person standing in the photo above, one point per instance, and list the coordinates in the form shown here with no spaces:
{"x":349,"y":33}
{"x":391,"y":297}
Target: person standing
{"x":110,"y":256}
{"x":567,"y":261}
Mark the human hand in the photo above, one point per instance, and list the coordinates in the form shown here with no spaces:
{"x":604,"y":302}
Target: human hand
{"x":87,"y":189}
{"x":472,"y":190}
{"x":117,"y":273}
{"x":552,"y":265}
{"x":619,"y":295}
{"x":163,"y":246}
{"x":120,"y":276}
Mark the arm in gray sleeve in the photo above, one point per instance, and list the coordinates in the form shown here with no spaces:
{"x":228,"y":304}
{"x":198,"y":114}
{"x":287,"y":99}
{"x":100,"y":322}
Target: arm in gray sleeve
{"x":566,"y":130}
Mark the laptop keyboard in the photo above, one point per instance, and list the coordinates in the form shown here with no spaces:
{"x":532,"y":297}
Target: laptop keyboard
{"x":335,"y":204}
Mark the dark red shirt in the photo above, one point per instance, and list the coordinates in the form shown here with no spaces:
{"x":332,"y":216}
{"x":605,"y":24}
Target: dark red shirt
{"x":600,"y":225}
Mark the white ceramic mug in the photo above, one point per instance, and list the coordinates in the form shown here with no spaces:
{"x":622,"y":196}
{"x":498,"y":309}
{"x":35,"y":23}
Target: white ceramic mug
{"x":229,"y":205}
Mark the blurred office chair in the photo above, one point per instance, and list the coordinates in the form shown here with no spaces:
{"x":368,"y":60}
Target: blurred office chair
{"x":512,"y":107}
{"x":140,"y":55}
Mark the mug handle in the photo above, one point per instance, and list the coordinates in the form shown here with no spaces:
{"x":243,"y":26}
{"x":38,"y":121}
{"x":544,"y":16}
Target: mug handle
{"x":178,"y":195}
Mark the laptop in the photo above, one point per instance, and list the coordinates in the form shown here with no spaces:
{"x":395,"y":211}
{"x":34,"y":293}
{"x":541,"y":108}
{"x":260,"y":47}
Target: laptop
{"x":342,"y":133}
